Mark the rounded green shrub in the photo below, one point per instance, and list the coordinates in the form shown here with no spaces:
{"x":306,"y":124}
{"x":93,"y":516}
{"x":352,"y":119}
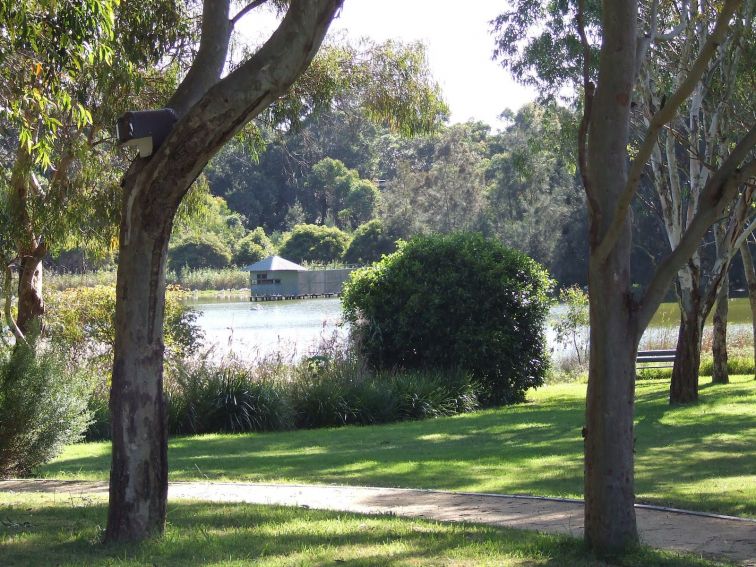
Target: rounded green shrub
{"x":455,"y":301}
{"x":200,"y":251}
{"x":314,"y":243}
{"x":370,"y":241}
{"x":43,"y":408}
{"x":253,"y":247}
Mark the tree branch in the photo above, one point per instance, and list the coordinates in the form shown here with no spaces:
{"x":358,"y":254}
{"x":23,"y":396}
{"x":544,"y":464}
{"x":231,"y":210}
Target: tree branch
{"x":719,"y":191}
{"x":244,"y":11}
{"x":678,"y":29}
{"x":208,"y":65}
{"x":737,"y":231}
{"x":589,"y":90}
{"x":205,"y":71}
{"x":234,"y":100}
{"x":662,"y":117}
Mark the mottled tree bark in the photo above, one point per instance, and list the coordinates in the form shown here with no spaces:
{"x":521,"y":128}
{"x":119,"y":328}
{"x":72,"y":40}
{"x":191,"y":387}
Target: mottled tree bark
{"x":720,"y":373}
{"x":31,"y":304}
{"x":30,"y":248}
{"x":609,"y":476}
{"x":139,"y":470}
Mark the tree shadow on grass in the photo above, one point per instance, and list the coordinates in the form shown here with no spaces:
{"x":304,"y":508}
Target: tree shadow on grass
{"x":200,"y":534}
{"x":532,"y":448}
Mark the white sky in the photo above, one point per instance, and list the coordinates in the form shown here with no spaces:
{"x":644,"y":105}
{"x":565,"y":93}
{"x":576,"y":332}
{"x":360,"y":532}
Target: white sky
{"x":457,"y":35}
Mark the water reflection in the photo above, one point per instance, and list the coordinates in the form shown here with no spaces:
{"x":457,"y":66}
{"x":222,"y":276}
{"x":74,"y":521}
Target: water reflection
{"x":295,"y":328}
{"x":255,"y":330}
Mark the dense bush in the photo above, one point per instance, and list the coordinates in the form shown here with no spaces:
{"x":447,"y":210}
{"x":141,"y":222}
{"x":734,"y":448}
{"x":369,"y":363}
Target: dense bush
{"x":361,"y":202}
{"x":370,"y":241}
{"x":314,"y":243}
{"x":455,"y":301}
{"x":43,"y":407}
{"x":199,"y":251}
{"x":253,"y":248}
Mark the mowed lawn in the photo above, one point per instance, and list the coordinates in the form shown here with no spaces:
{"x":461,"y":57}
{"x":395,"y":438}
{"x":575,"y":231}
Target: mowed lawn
{"x":699,"y":457}
{"x":42,"y":529}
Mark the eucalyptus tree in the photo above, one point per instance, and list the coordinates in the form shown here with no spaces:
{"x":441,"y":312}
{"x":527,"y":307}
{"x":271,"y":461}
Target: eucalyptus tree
{"x":617,"y":36}
{"x":533,"y":192}
{"x":211,"y":108}
{"x":68,"y":69}
{"x":445,"y":192}
{"x":686,"y":154}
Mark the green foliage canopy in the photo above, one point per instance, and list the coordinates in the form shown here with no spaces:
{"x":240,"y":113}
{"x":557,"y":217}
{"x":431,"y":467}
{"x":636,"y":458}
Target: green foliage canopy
{"x":253,"y":248}
{"x":83,"y":321}
{"x":314,"y":243}
{"x":200,"y":251}
{"x":370,"y":241}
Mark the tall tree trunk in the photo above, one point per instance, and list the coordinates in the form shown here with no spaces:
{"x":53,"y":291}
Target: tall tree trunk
{"x":684,"y":385}
{"x":609,"y":477}
{"x":139,"y":470}
{"x":30,"y":248}
{"x":31,"y":305}
{"x":719,"y":340}
{"x":750,"y":273}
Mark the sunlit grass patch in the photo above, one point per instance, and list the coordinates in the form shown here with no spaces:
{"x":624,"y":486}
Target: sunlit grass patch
{"x":700,"y":457}
{"x":44,"y":529}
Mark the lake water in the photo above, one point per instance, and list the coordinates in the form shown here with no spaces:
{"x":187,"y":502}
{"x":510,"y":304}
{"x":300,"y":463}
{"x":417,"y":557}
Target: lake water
{"x":295,"y":328}
{"x":255,"y":330}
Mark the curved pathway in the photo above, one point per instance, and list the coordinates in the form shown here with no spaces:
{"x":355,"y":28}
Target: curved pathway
{"x":710,"y":535}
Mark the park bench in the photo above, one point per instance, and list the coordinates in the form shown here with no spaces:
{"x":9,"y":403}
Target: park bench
{"x":662,"y":358}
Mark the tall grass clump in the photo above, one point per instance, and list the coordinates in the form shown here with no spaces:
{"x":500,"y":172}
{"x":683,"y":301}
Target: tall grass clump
{"x":203,"y":397}
{"x":43,"y":407}
{"x":63,"y":281}
{"x":209,"y":279}
{"x":335,"y":392}
{"x":330,"y":389}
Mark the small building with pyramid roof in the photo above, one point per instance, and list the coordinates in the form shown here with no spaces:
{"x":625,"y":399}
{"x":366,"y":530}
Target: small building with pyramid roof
{"x":278,"y":278}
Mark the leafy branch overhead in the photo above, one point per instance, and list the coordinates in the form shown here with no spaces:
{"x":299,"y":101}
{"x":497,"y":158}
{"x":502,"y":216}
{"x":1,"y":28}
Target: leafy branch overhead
{"x":390,"y":82}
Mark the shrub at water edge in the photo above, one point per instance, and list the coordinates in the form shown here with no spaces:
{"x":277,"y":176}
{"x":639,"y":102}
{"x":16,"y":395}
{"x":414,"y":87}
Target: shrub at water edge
{"x":455,"y":301}
{"x":314,"y":243}
{"x":253,"y":247}
{"x":321,"y":391}
{"x":200,"y":251}
{"x":224,"y":398}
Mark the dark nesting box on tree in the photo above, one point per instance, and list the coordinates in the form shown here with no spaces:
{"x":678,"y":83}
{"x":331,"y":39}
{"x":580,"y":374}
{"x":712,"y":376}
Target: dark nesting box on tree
{"x":145,"y":129}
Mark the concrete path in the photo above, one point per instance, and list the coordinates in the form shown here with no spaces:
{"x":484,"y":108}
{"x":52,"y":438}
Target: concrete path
{"x":714,"y":536}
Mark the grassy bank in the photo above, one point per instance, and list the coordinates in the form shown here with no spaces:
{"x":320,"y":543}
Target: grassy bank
{"x":197,"y":280}
{"x":701,"y":457}
{"x":50,"y":530}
